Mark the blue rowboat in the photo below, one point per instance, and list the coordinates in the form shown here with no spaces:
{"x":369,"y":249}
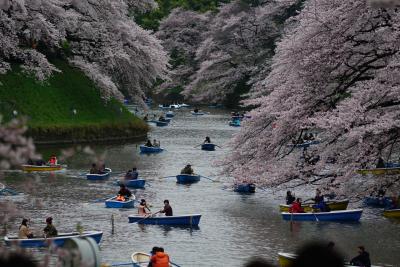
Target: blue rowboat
{"x":169,"y":114}
{"x":340,"y":215}
{"x":208,"y":147}
{"x":197,"y":113}
{"x":142,"y":259}
{"x":378,"y":202}
{"x":58,"y":240}
{"x":162,"y":123}
{"x":187,"y":178}
{"x":164,"y":106}
{"x":113,"y":203}
{"x":136,"y":183}
{"x":102,"y":176}
{"x":245,"y":188}
{"x":150,"y":149}
{"x":192,"y":220}
{"x":235,"y":123}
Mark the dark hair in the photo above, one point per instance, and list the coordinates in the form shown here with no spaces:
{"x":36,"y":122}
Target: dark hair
{"x":288,"y":192}
{"x":142,"y":201}
{"x":331,"y":244}
{"x":122,"y":185}
{"x":362,"y":248}
{"x":24,"y":222}
{"x":160,"y":249}
{"x":134,"y":168}
{"x":298,"y":199}
{"x":49,"y":220}
{"x":316,"y":255}
{"x":166,"y":201}
{"x":154,"y":250}
{"x":93,"y":164}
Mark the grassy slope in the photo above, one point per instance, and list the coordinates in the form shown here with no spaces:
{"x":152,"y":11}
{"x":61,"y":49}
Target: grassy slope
{"x":49,"y":106}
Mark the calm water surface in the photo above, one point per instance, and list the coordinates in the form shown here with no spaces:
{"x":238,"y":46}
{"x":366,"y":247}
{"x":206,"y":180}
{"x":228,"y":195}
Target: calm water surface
{"x":233,"y":227}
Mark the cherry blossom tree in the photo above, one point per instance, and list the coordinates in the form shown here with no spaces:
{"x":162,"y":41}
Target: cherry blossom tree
{"x":237,"y":47}
{"x":97,"y":36}
{"x":335,"y":73}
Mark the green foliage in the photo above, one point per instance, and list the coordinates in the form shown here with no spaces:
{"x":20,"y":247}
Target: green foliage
{"x":151,"y":20}
{"x":50,"y":106}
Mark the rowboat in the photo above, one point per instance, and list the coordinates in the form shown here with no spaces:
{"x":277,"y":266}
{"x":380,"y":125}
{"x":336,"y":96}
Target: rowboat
{"x":378,"y":202}
{"x":187,"y":178}
{"x":235,"y":123}
{"x":379,"y":171}
{"x":150,"y":149}
{"x":305,"y":144}
{"x":41,"y":168}
{"x":162,"y":123}
{"x":99,"y":176}
{"x":245,"y":188}
{"x":183,"y":105}
{"x":197,"y":113}
{"x":392,"y":213}
{"x":136,"y":183}
{"x":191,"y":219}
{"x":208,"y":147}
{"x":333,"y":205}
{"x":58,"y":240}
{"x":164,"y":106}
{"x":169,"y":114}
{"x":141,"y":259}
{"x":339,"y":215}
{"x":287,"y":260}
{"x":113,"y":203}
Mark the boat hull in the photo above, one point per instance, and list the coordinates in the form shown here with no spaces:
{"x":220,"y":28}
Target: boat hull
{"x":333,"y":205}
{"x":208,"y":147}
{"x":169,"y":115}
{"x":393,"y":213}
{"x":197,"y":113}
{"x":146,"y":149}
{"x":43,"y":168}
{"x":162,"y":123}
{"x":234,"y":123}
{"x":245,"y":188}
{"x":58,"y":241}
{"x":187,"y":178}
{"x":96,"y":177}
{"x":191,"y":220}
{"x":137,"y":183}
{"x":340,"y":216}
{"x":378,"y":202}
{"x":113,"y":203}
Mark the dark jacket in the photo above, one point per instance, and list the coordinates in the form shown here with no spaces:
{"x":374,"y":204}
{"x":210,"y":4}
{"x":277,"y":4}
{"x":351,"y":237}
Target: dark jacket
{"x":361,"y":260}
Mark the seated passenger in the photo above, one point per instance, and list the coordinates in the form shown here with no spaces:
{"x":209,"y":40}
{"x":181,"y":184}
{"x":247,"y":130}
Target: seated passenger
{"x":142,"y":208}
{"x":289,"y":198}
{"x":148,"y":144}
{"x":296,"y":206}
{"x":187,"y":170}
{"x":50,"y":230}
{"x":135,"y":173}
{"x":53,"y":160}
{"x":94,"y":169}
{"x":24,"y":232}
{"x":207,"y":140}
{"x":123,"y":191}
{"x":120,"y":198}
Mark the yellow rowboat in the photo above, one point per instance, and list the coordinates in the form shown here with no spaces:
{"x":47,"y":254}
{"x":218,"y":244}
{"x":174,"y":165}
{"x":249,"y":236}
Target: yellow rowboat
{"x":379,"y":171}
{"x":333,"y":205}
{"x":393,"y":213}
{"x":287,"y":260}
{"x":42,"y":168}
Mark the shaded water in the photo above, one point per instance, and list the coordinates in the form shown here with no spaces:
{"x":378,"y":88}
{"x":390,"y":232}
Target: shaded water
{"x":233,"y":227}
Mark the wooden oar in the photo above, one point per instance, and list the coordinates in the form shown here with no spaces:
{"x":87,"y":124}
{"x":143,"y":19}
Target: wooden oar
{"x":171,"y":176}
{"x":208,"y":178}
{"x":197,"y":146}
{"x":150,"y":216}
{"x":218,"y":146}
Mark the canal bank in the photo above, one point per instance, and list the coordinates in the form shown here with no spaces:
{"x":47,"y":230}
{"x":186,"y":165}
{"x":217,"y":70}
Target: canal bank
{"x":66,"y":108}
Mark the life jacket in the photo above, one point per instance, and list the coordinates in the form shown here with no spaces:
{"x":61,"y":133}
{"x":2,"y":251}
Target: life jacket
{"x":120,"y":198}
{"x":53,"y":161}
{"x":161,"y":259}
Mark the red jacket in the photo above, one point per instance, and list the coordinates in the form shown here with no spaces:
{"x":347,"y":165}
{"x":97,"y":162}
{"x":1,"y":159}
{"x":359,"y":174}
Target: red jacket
{"x":296,"y":208}
{"x":161,"y":259}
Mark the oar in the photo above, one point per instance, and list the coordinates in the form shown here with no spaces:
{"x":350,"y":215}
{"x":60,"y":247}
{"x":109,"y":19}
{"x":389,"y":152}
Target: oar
{"x":218,"y":146}
{"x":316,"y":218}
{"x":102,"y":199}
{"x":122,"y":264}
{"x":197,"y":146}
{"x":150,"y":216}
{"x":171,"y":176}
{"x":208,"y":178}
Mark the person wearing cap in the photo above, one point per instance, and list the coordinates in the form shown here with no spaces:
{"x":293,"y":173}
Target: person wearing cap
{"x":142,"y":208}
{"x":187,"y":170}
{"x":50,"y":230}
